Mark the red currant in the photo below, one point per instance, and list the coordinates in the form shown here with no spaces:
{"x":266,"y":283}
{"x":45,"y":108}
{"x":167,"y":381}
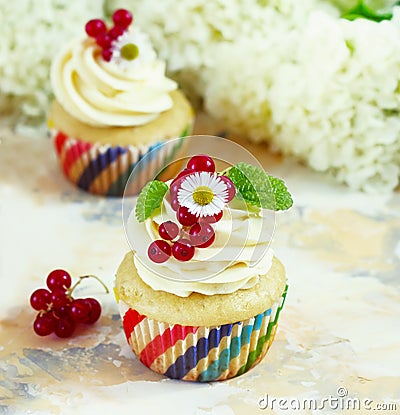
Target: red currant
{"x":95,"y":27}
{"x":80,"y":310}
{"x":185,"y":172}
{"x":59,"y":297}
{"x":122,"y":17}
{"x":95,"y":310}
{"x":201,"y":162}
{"x":44,"y":325}
{"x":168,"y":230}
{"x":174,"y":204}
{"x":183,"y":250}
{"x":40,"y":299}
{"x":64,"y":327}
{"x":58,"y":279}
{"x":184,"y":217}
{"x":212,"y":219}
{"x":159,"y":251}
{"x":202,"y":235}
{"x":116,"y":32}
{"x":106,"y":54}
{"x":231,"y":187}
{"x":175,"y":186}
{"x":62,"y":312}
{"x":104,"y":40}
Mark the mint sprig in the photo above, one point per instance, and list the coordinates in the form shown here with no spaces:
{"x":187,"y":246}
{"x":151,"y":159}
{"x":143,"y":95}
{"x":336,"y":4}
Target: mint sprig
{"x":259,"y":189}
{"x":372,"y":10}
{"x":150,"y":199}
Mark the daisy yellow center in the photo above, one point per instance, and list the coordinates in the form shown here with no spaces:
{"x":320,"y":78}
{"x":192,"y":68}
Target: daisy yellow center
{"x":203,"y":195}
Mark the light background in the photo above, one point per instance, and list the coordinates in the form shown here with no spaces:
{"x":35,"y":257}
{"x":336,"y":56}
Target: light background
{"x":340,"y":325}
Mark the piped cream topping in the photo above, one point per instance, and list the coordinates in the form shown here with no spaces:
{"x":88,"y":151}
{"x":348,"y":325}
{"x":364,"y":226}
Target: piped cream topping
{"x":235,"y":260}
{"x":114,"y":93}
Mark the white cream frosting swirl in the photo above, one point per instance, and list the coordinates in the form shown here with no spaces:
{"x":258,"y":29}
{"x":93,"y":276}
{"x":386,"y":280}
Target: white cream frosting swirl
{"x":236,"y":259}
{"x":114,"y":93}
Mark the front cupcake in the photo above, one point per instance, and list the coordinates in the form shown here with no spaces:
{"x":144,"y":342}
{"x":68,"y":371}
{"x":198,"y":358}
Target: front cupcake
{"x":201,"y":292}
{"x":113,"y":104}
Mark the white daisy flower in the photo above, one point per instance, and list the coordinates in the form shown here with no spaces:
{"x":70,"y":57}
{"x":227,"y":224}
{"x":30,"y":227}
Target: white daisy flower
{"x":131,"y":49}
{"x":203,"y":193}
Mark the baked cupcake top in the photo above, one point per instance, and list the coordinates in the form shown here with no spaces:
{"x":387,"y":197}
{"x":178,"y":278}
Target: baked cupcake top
{"x":206,"y":232}
{"x":112,"y":76}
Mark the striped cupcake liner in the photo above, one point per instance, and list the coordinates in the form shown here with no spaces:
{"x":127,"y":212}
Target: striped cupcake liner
{"x":199,"y":353}
{"x":105,"y":169}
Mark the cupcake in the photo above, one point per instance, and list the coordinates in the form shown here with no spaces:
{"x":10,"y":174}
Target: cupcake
{"x":113,"y":105}
{"x":201,"y":292}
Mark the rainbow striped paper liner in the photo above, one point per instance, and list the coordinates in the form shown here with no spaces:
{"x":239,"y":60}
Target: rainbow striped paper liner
{"x":105,"y":169}
{"x":201,"y":354}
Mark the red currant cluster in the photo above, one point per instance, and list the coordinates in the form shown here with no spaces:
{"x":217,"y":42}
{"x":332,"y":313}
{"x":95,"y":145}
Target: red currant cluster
{"x":59,"y":312}
{"x":195,"y":231}
{"x":104,"y":37}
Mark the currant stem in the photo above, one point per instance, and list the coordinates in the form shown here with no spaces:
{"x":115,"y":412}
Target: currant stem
{"x":82,"y":277}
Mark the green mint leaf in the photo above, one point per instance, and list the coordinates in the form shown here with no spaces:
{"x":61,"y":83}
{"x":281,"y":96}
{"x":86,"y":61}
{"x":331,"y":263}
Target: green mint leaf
{"x":283,"y":199}
{"x":257,"y":188}
{"x":376,"y":10}
{"x":150,"y":199}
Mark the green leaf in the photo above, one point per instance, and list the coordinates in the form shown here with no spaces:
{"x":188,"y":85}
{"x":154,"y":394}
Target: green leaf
{"x":376,"y":10}
{"x":283,"y":199}
{"x":150,"y":199}
{"x":257,"y":188}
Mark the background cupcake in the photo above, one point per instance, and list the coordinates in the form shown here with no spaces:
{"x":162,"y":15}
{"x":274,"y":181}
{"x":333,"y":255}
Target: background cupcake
{"x":113,"y":104}
{"x":201,"y":293}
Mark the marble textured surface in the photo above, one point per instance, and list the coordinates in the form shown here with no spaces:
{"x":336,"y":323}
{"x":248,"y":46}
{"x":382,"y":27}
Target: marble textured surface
{"x":339,"y":328}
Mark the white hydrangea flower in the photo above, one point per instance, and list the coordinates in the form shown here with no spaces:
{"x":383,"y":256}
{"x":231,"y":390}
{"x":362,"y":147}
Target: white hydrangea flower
{"x":323,"y":89}
{"x":30,"y":35}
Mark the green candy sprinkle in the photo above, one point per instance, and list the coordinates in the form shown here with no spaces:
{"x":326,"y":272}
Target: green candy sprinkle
{"x":129,"y":52}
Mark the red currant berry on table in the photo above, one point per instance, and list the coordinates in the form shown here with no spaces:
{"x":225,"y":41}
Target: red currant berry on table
{"x":183,"y":250}
{"x":212,"y":219}
{"x":58,"y":278}
{"x":116,"y":32}
{"x":202,"y":235}
{"x":159,"y":251}
{"x":231,"y":187}
{"x":106,"y":54}
{"x":201,"y":162}
{"x":95,"y":27}
{"x":104,"y":40}
{"x":79,"y":311}
{"x":61,"y":312}
{"x":59,"y":297}
{"x":122,"y":17}
{"x":95,"y":310}
{"x":40,"y":299}
{"x":44,"y":324}
{"x":184,"y":217}
{"x":64,"y":327}
{"x":168,"y":230}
